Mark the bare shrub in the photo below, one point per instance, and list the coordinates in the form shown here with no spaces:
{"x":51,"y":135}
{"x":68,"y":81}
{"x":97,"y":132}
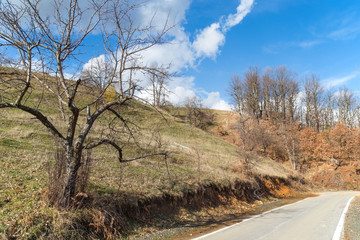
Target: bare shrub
{"x":84,"y":172}
{"x":56,"y":172}
{"x":246,"y":164}
{"x":103,"y":224}
{"x":197,"y":115}
{"x":198,"y":154}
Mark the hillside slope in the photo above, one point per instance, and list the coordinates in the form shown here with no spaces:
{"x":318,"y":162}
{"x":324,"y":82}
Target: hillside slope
{"x":323,"y":173}
{"x":196,"y":159}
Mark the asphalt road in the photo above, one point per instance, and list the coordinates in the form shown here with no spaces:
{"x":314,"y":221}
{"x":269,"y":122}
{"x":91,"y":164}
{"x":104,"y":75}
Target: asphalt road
{"x":310,"y":219}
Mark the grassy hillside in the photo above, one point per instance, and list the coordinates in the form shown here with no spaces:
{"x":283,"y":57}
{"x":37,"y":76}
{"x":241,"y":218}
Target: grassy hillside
{"x":27,"y":152}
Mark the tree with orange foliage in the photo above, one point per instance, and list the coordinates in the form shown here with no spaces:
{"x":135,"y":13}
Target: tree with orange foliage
{"x":308,"y":143}
{"x":340,"y":137}
{"x":337,"y":144}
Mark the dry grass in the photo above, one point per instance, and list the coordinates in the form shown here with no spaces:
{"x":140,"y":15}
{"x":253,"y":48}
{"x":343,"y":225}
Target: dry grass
{"x":26,"y":148}
{"x":352,"y":224}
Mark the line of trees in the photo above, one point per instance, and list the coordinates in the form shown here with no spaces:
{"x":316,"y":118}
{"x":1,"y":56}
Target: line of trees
{"x":299,"y":121}
{"x":278,"y":95}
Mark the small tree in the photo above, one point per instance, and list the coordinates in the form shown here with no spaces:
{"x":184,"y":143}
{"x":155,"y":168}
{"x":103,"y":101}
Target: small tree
{"x":125,"y":41}
{"x":196,"y":114}
{"x":51,"y":42}
{"x":289,"y":134}
{"x":159,"y":90}
{"x":245,"y":126}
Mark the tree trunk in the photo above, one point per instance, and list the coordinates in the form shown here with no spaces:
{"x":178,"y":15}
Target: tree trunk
{"x":69,"y":181}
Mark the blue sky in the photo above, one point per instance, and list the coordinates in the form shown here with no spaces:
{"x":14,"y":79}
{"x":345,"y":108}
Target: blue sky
{"x":214,"y":40}
{"x":320,"y":37}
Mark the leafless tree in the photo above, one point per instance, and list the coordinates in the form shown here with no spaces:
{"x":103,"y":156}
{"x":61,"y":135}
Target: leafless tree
{"x":291,"y":143}
{"x":193,"y":106}
{"x":253,"y":97}
{"x":292,"y":107}
{"x":52,"y":42}
{"x":237,"y":93}
{"x":159,"y":90}
{"x":357,"y":114}
{"x":267,"y":91}
{"x":244,"y":126}
{"x":313,"y":101}
{"x":272,"y":96}
{"x":329,"y":106}
{"x":196,"y":114}
{"x":246,"y":93}
{"x":263,"y":136}
{"x":285,"y":90}
{"x":125,"y":41}
{"x":100,"y":73}
{"x":346,"y":103}
{"x":282,"y":78}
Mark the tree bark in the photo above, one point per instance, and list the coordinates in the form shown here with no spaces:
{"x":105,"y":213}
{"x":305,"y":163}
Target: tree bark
{"x":68,"y":191}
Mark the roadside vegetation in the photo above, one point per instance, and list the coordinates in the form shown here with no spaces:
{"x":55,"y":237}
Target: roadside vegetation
{"x":83,"y":157}
{"x":315,"y":130}
{"x":352,"y":225}
{"x":196,"y":159}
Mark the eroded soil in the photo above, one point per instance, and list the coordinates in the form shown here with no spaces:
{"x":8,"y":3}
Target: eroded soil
{"x":208,"y":220}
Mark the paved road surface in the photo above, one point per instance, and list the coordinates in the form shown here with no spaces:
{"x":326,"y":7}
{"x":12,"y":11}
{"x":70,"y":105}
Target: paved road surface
{"x":310,"y":219}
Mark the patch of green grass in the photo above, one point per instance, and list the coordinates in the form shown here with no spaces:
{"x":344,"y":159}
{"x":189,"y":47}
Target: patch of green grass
{"x":9,"y":143}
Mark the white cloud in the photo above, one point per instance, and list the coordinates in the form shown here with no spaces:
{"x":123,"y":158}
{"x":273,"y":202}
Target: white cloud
{"x":161,"y":11}
{"x":241,"y":11}
{"x":186,"y":82}
{"x":177,"y":53}
{"x":181,"y":89}
{"x":342,"y":25}
{"x":182,"y":53}
{"x":208,"y":41}
{"x":222,"y":105}
{"x":308,"y":44}
{"x":211,"y":38}
{"x":179,"y":95}
{"x":345,"y":33}
{"x":48,"y":10}
{"x":333,"y":82}
{"x":95,"y":61}
{"x":214,"y":101}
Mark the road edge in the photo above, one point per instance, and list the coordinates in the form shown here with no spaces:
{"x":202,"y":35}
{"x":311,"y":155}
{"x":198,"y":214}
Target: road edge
{"x":340,"y":227}
{"x":247,"y":219}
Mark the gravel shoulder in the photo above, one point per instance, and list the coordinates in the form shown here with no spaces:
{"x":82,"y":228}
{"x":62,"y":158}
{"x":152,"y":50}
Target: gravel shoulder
{"x":352,"y":221}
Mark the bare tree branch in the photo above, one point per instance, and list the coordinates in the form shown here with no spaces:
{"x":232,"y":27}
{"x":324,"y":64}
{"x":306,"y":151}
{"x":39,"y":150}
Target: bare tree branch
{"x":43,"y":119}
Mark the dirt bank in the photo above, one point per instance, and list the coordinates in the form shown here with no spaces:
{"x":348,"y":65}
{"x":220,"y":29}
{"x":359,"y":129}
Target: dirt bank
{"x":111,"y":217}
